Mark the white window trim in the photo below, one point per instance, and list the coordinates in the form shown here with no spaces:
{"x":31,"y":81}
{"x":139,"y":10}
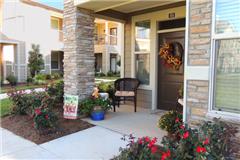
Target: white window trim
{"x":234,"y":117}
{"x":134,"y":53}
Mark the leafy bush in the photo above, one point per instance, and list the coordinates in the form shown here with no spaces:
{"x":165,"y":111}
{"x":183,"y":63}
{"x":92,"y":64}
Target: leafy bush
{"x":99,"y":74}
{"x":40,"y":77}
{"x":113,"y":74}
{"x":107,"y":87}
{"x":12,"y":80}
{"x":56,"y":91}
{"x":170,"y":121}
{"x":213,"y":140}
{"x":57,"y":75}
{"x":26,"y":103}
{"x":29,"y":79}
{"x":86,"y":106}
{"x":20,"y":101}
{"x":48,"y":77}
{"x":44,"y":118}
{"x":141,"y":149}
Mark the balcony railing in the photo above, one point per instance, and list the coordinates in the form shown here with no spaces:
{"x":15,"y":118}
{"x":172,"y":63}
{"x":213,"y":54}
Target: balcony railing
{"x":103,"y":39}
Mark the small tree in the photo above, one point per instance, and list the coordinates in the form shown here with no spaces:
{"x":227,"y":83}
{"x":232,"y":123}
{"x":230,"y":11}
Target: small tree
{"x":35,"y":60}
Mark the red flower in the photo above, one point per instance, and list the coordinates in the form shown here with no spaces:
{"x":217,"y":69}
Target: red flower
{"x":177,"y":120}
{"x":38,"y":111}
{"x":165,"y":155}
{"x":46,"y":116}
{"x":147,"y":139}
{"x":154,"y":149}
{"x":152,"y":142}
{"x":200,"y":149}
{"x":140,"y":141}
{"x":186,"y":135}
{"x":206,"y":141}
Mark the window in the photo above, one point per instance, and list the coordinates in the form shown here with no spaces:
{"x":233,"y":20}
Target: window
{"x":142,"y":52}
{"x":142,"y":36}
{"x":113,"y":36}
{"x":55,"y":23}
{"x":54,"y":60}
{"x":142,"y":68}
{"x":227,"y":56}
{"x":227,"y":16}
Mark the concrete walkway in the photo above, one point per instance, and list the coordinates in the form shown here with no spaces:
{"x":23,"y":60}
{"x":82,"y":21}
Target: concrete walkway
{"x":101,"y":142}
{"x":95,"y":143}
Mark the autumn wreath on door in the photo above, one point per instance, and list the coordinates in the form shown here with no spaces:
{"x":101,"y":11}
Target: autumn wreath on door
{"x":172,"y":54}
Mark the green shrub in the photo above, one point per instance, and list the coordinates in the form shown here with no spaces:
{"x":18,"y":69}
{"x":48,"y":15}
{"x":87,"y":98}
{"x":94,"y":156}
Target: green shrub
{"x":99,"y":74}
{"x":56,"y":91}
{"x":170,"y":121}
{"x":141,"y":149}
{"x":40,"y":77}
{"x":26,"y":103}
{"x":57,"y":75}
{"x":87,"y":106}
{"x":29,"y":79}
{"x":12,"y":80}
{"x":20,"y":101}
{"x":213,"y":141}
{"x":44,"y":119}
{"x":107,"y":87}
{"x":48,"y":77}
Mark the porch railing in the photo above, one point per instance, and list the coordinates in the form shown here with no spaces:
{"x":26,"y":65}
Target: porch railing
{"x":103,"y":39}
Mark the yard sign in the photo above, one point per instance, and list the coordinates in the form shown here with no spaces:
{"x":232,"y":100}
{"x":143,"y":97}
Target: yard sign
{"x":70,"y":107}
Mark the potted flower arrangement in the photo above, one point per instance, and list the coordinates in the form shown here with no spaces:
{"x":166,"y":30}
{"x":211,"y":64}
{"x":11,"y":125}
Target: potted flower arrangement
{"x":95,"y":107}
{"x":171,"y":122}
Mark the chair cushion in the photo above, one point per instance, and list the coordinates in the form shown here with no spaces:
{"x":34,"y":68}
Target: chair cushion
{"x":124,"y":93}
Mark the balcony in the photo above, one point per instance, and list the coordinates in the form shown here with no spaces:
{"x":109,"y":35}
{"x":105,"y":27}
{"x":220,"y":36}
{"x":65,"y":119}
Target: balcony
{"x":104,"y":39}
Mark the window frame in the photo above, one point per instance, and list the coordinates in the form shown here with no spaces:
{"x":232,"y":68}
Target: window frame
{"x":213,"y":62}
{"x":58,"y":20}
{"x":58,"y":60}
{"x":134,"y":52}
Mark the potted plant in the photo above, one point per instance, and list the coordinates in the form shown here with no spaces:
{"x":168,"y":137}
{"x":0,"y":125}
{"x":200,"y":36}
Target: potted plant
{"x":95,"y":107}
{"x":170,"y":122}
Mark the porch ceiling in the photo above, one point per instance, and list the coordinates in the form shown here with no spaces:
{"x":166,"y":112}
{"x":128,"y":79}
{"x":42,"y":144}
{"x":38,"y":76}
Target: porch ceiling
{"x":123,"y":6}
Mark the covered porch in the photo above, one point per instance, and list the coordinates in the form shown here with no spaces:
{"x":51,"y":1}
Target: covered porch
{"x":140,"y":56}
{"x":126,"y":122}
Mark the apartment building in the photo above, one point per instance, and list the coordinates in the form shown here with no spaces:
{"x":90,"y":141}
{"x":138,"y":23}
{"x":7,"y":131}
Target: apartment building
{"x":26,"y":22}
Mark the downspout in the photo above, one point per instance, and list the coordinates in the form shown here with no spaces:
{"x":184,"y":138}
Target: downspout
{"x":185,"y":114}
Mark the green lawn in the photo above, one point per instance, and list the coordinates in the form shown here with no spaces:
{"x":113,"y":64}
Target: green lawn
{"x":5,"y":107}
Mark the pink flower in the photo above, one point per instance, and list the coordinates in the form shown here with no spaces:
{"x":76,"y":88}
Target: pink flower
{"x":186,"y":135}
{"x":38,"y":111}
{"x":177,"y":120}
{"x":46,"y":116}
{"x":182,"y":127}
{"x":140,"y":141}
{"x":206,"y":141}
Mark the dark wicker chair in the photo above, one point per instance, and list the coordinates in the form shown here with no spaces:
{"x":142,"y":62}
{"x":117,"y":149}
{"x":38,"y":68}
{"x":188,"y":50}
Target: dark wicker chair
{"x":126,"y":89}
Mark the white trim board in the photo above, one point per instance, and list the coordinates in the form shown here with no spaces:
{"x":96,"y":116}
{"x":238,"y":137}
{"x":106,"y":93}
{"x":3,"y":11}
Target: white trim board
{"x":197,"y":72}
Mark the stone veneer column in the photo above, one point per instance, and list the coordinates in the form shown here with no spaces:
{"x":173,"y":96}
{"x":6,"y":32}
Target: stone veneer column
{"x":78,"y":50}
{"x":198,"y":55}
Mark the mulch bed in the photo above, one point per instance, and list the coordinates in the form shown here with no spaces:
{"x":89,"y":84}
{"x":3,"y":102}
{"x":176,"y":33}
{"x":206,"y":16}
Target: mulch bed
{"x":22,"y":125}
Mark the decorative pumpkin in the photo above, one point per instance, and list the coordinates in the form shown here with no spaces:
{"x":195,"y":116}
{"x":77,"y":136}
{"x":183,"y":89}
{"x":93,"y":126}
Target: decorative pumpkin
{"x":172,"y":54}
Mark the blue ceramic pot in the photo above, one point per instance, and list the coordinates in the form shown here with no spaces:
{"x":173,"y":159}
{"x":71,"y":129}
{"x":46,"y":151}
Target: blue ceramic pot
{"x":97,"y":116}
